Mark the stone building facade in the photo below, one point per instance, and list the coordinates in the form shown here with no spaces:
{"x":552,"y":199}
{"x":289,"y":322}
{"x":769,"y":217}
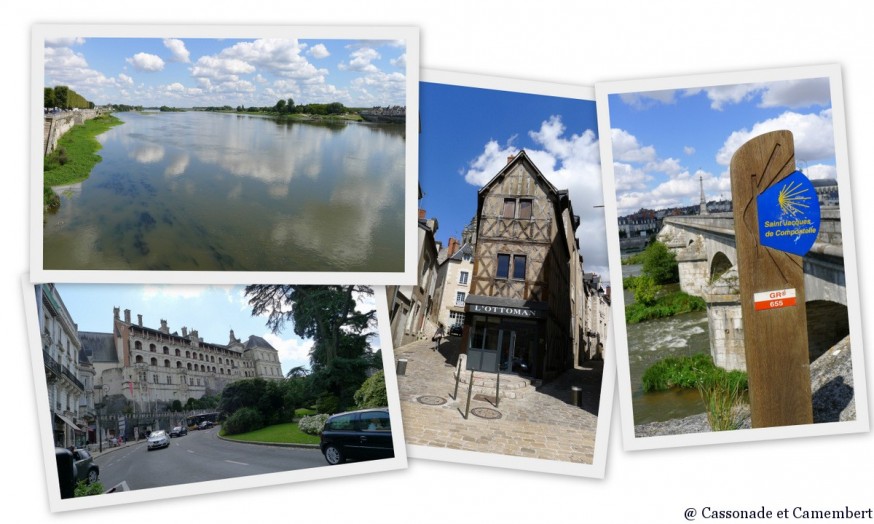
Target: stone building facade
{"x":70,"y":399}
{"x":520,"y":315}
{"x":153,"y":367}
{"x":412,"y":311}
{"x":454,"y":275}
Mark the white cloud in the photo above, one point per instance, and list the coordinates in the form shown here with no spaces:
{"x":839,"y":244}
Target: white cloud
{"x":282,"y":57}
{"x":628,"y":178}
{"x":797,"y":93}
{"x":146,"y":62}
{"x":360,"y":60}
{"x":731,"y":94}
{"x":813,"y":134}
{"x":64,"y":41}
{"x":125,"y":79}
{"x":689,"y":150}
{"x":214,"y":68}
{"x":319,"y":51}
{"x":627,"y":149}
{"x":667,"y":165}
{"x":291,"y":350}
{"x":649,"y":99}
{"x":821,"y":171}
{"x":400,"y":61}
{"x":177,"y":50}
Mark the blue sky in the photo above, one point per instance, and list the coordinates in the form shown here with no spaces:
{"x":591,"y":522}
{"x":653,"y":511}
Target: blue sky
{"x":663,"y":140}
{"x":212,"y":310}
{"x":467,"y":135}
{"x":199,"y":71}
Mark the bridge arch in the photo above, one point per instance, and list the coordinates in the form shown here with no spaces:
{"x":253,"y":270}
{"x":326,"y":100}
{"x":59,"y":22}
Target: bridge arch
{"x":827,"y":324}
{"x":719,"y":264}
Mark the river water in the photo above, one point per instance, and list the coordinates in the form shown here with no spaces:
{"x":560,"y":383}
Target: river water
{"x":209,"y":191}
{"x":653,"y":340}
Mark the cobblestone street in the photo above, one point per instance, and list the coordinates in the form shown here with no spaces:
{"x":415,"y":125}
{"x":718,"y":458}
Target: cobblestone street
{"x":541,"y":424}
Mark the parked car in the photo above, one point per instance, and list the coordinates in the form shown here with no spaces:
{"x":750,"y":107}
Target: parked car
{"x":357,"y":435}
{"x":86,"y":469}
{"x":158,"y":439}
{"x":178,"y":431}
{"x":456,"y":330}
{"x":206,"y":424}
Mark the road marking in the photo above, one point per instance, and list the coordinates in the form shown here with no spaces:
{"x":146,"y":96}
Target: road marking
{"x":188,"y":450}
{"x":235,"y":462}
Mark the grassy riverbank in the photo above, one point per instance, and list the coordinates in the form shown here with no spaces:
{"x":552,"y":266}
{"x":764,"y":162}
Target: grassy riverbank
{"x":664,"y":304}
{"x":75,"y":156}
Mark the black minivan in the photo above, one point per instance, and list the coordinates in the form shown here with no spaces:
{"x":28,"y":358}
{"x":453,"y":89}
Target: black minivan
{"x":357,"y":435}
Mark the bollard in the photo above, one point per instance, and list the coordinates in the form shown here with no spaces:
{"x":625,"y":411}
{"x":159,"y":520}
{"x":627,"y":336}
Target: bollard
{"x":469,"y":390}
{"x":401,"y":366}
{"x":577,"y":396}
{"x":457,"y":378}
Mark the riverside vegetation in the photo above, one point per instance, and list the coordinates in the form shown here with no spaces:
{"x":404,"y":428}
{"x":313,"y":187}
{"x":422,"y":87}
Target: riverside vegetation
{"x":651,"y":297}
{"x":75,"y":157}
{"x":723,"y":392}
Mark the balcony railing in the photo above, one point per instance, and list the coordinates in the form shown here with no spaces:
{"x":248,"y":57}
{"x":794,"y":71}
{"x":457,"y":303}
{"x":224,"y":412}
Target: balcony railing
{"x":55,"y":367}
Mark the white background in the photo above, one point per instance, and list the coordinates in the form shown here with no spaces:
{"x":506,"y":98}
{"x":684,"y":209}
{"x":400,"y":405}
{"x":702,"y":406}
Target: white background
{"x":551,"y":40}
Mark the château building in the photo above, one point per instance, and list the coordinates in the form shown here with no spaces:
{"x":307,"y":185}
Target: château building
{"x":152,"y":367}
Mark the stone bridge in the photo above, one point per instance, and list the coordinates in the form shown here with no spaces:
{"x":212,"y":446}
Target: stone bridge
{"x":705,"y":249}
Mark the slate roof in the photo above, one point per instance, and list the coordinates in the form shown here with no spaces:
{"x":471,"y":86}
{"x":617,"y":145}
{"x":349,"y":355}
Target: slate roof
{"x":99,"y":347}
{"x":258,"y":342}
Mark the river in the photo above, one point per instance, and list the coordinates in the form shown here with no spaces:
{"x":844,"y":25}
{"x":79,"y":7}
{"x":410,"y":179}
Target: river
{"x":653,"y":340}
{"x":211,"y":191}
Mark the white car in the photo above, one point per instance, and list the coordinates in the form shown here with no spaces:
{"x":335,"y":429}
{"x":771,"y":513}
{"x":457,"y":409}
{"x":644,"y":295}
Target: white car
{"x":158,"y":439}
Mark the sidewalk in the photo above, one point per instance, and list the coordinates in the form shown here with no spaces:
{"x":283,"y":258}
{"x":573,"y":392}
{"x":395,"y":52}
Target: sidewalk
{"x":542,"y":424}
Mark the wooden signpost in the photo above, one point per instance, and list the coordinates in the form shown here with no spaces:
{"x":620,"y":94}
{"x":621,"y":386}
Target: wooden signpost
{"x":774,"y":206}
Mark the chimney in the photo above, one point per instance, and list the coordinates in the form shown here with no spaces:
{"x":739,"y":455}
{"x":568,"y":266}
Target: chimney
{"x":140,"y":320}
{"x":115,"y":312}
{"x":510,"y":159}
{"x":164,"y":329}
{"x":421,"y":214}
{"x":127,"y":315}
{"x":453,"y":246}
{"x":184,"y":331}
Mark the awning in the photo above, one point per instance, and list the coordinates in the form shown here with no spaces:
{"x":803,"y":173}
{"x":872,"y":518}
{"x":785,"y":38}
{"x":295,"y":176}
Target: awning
{"x":69,"y":422}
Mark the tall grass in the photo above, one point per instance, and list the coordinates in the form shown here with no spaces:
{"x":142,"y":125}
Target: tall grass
{"x":723,"y":396}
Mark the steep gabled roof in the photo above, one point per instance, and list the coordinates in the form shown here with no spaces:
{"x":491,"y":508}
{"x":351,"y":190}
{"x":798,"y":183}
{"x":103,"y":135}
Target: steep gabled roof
{"x":521,"y":156}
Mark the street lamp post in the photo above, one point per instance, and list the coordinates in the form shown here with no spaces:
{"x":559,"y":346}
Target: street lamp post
{"x":98,"y":390}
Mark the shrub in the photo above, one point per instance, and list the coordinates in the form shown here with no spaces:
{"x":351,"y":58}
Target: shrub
{"x":83,"y":489}
{"x":328,"y":404}
{"x":313,"y":425}
{"x":372,"y":393}
{"x":243,"y":420}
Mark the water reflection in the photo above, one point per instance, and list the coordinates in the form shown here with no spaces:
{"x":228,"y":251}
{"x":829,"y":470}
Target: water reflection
{"x":215,"y":192}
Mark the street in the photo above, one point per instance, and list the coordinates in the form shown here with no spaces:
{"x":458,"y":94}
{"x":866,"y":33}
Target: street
{"x":198,"y":457}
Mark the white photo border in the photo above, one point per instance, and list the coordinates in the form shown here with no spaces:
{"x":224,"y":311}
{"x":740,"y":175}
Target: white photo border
{"x":605,"y":408}
{"x":603,"y":91}
{"x":56,"y":503}
{"x":410,"y":35}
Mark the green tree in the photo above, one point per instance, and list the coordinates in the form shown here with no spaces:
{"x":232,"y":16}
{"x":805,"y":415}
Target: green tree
{"x":243,"y":393}
{"x":176,"y":405}
{"x":645,"y":290}
{"x":280,"y":107}
{"x":48,"y":97}
{"x":341,"y":354}
{"x":289,"y":106}
{"x":372,"y":393}
{"x":61,"y":93}
{"x":660,"y":264}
